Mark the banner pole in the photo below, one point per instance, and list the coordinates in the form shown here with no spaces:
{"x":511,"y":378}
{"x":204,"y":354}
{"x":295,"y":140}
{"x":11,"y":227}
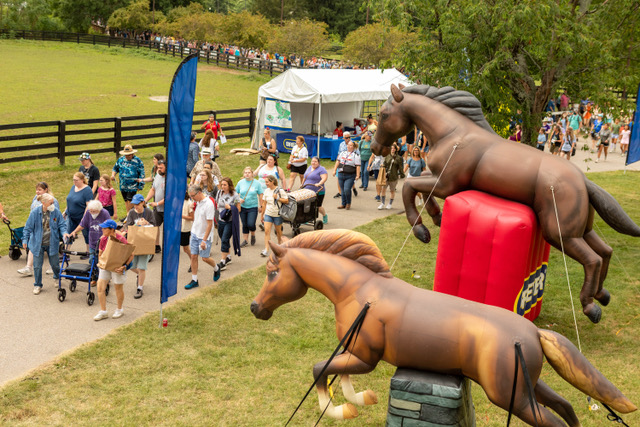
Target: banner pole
{"x":160,"y":323}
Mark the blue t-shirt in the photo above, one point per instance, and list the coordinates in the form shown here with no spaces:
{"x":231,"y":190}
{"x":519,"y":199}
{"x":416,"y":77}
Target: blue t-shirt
{"x":416,"y":166}
{"x":542,"y":138}
{"x":314,"y":177}
{"x":77,"y":202}
{"x":251,"y":197}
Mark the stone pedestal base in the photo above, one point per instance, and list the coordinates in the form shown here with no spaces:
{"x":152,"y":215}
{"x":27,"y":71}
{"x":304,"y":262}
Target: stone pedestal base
{"x":427,"y":399}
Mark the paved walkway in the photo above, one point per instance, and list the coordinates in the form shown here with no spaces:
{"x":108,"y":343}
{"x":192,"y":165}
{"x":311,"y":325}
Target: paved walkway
{"x":36,"y":329}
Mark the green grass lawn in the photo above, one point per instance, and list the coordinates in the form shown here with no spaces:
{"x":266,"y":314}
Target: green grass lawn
{"x":44,"y":81}
{"x":217,"y":365}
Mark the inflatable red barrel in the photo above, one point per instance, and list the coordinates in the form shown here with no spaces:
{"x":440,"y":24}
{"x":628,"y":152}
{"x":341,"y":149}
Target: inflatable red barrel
{"x":491,"y":250}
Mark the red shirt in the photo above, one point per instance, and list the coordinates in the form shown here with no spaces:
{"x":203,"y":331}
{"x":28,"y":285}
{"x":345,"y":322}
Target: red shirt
{"x":104,"y":239}
{"x":215,"y":127}
{"x":338,"y":132}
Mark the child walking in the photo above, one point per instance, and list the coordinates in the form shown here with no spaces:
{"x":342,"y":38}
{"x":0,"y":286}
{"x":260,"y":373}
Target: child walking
{"x":107,"y":196}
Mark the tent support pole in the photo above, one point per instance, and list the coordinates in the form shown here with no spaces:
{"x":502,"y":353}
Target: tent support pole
{"x":319,"y":123}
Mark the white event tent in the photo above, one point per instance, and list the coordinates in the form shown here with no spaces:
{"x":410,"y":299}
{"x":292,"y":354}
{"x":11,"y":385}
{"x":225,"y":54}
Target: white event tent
{"x":318,"y":98}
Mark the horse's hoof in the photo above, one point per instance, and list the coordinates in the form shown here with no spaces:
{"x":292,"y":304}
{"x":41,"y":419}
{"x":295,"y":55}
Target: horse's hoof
{"x":593,"y":312}
{"x":349,"y":411}
{"x":370,"y":397}
{"x":437,"y":219}
{"x":422,"y":233}
{"x":603,"y":297}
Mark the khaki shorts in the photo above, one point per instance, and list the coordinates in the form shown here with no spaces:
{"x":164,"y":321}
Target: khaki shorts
{"x":392,"y":185}
{"x":118,"y":279}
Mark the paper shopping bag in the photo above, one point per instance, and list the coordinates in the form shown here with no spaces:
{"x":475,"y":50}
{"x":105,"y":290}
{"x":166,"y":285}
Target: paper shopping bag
{"x":144,"y":239}
{"x":382,"y":177}
{"x":115,"y":254}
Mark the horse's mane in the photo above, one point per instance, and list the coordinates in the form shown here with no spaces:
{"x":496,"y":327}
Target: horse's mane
{"x":459,"y":100}
{"x":347,"y":243}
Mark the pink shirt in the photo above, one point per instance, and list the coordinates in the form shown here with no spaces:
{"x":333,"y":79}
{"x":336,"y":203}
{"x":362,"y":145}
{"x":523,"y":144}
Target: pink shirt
{"x":106,"y":196}
{"x":104,"y":239}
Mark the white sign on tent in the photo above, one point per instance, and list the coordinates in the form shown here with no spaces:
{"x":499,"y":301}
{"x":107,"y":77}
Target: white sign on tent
{"x":277,"y":114}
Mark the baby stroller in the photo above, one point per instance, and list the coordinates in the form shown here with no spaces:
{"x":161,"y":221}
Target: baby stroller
{"x":78,"y":272}
{"x":15,"y":251}
{"x":307,"y":210}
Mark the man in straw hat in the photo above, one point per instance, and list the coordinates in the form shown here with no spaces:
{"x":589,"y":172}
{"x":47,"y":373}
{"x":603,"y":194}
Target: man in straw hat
{"x":131,"y":169}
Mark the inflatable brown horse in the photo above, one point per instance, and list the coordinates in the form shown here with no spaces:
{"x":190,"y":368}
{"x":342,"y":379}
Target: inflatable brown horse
{"x":416,"y":328}
{"x":476,"y":158}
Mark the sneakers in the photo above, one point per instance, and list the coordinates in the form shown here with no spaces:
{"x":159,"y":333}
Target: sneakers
{"x":381,"y":206}
{"x":49,"y":271}
{"x":192,"y":284}
{"x":222,"y":266}
{"x":216,"y":275}
{"x":102,"y":315}
{"x":325,"y":219}
{"x":361,"y":186}
{"x":158,"y":249}
{"x":26,"y":271}
{"x":355,"y":192}
{"x":377,"y":198}
{"x":261,"y":228}
{"x":253,"y":240}
{"x":37,"y":290}
{"x":389,"y":206}
{"x":117,"y":314}
{"x":227,"y":261}
{"x":364,"y":188}
{"x":264,"y":253}
{"x":341,"y":207}
{"x":138,"y":294}
{"x":244,"y":244}
{"x":337,"y":195}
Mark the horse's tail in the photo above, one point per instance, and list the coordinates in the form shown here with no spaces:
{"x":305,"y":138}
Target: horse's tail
{"x":610,"y":210}
{"x":571,"y":365}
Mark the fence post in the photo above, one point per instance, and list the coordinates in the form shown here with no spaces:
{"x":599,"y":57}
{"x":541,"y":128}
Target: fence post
{"x":252,"y":122}
{"x":78,"y":36}
{"x":208,"y":55}
{"x":94,"y":39}
{"x":260,"y":66}
{"x":166,"y":130}
{"x":217,"y":58}
{"x":109,"y":43}
{"x":62,"y":128}
{"x":227,"y":60}
{"x":117,"y":136}
{"x":270,"y":69}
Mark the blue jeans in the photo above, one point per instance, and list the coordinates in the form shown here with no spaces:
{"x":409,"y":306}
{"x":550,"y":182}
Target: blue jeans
{"x":248,"y":217}
{"x":345,"y":181}
{"x":54,"y":260}
{"x":364,"y":173}
{"x":224,"y":231}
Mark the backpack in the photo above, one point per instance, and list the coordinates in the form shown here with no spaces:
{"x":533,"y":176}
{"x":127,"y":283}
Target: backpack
{"x":287,"y":211}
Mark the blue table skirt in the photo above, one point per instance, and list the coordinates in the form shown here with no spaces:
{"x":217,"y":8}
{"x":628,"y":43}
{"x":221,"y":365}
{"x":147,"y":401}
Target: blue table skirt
{"x":328,"y":146}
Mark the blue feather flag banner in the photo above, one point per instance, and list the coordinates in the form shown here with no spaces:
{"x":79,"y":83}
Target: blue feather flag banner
{"x":277,"y":114}
{"x":633,"y":155}
{"x":181,"y":102}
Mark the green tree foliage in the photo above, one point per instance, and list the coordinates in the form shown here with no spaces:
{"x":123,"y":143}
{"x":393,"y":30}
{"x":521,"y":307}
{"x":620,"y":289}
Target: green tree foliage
{"x":374,"y":44}
{"x":341,"y":16}
{"x":32,"y":15}
{"x":136,"y":16}
{"x":77,"y":15}
{"x":514,"y":55}
{"x":244,"y":29}
{"x":271,"y":9}
{"x":301,"y":37}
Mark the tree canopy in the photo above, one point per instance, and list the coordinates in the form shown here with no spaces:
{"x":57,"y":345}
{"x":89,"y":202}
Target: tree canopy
{"x":136,"y":16}
{"x":516,"y":55}
{"x":303,"y":38}
{"x":374,"y":44}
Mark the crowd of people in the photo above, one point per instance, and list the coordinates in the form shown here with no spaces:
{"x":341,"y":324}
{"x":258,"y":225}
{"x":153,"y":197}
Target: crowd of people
{"x":287,"y":61}
{"x":216,"y":209}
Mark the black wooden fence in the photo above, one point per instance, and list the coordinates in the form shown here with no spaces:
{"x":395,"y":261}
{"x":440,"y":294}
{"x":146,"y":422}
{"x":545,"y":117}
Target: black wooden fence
{"x":210,"y":56}
{"x":59,"y":139}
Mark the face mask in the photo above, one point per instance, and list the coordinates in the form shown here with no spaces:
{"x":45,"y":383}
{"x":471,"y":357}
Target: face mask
{"x":94,"y":216}
{"x":51,"y":208}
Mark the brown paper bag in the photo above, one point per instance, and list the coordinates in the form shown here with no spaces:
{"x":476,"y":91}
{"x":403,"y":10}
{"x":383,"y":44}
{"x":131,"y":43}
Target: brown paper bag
{"x":382,"y":177}
{"x":144,"y":239}
{"x":115,"y":254}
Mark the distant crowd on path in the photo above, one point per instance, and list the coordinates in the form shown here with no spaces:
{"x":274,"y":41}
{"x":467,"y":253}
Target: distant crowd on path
{"x":564,"y":123}
{"x":287,"y":61}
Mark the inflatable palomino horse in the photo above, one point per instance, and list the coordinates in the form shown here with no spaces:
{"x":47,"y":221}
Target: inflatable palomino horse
{"x":478,"y":159}
{"x":416,"y":328}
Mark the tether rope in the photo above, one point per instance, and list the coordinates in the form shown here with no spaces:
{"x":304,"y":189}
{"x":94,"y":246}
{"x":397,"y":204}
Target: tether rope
{"x":566,"y":269}
{"x":424,"y":204}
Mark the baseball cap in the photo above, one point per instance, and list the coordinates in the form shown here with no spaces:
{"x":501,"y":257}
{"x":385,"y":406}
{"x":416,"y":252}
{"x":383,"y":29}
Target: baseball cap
{"x":85,"y":156}
{"x":346,"y":134}
{"x":138,"y":198}
{"x":109,"y":224}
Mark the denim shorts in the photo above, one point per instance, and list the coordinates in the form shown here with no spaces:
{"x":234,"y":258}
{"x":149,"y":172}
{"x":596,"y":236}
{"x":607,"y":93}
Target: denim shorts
{"x":276,"y":220}
{"x":194,"y":246}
